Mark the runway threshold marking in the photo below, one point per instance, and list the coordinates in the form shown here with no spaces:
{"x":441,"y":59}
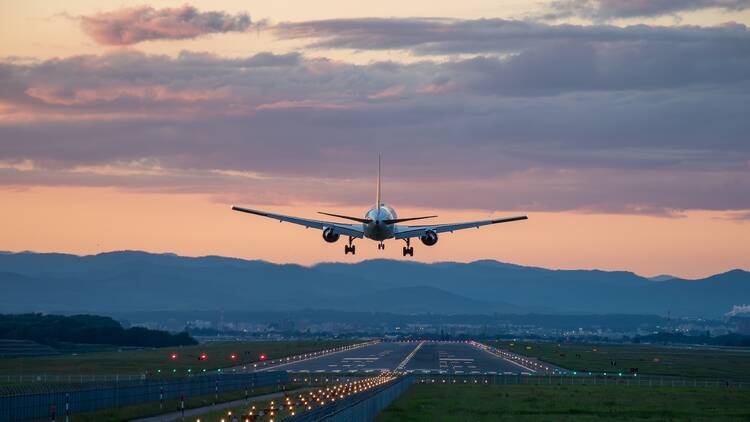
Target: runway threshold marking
{"x":406,"y":360}
{"x":274,"y":367}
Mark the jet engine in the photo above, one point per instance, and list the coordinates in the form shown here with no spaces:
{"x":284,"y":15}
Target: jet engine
{"x":330,"y":236}
{"x":430,"y":238}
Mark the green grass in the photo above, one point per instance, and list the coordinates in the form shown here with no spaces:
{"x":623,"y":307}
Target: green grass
{"x":152,"y":360}
{"x":567,"y":403}
{"x":655,"y":360}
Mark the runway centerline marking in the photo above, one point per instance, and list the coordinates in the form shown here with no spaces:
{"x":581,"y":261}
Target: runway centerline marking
{"x":406,"y":360}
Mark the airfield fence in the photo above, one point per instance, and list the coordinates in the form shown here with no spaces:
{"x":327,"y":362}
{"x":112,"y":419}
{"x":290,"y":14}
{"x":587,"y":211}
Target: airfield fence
{"x":22,"y":407}
{"x":594,"y":379}
{"x":364,"y":406}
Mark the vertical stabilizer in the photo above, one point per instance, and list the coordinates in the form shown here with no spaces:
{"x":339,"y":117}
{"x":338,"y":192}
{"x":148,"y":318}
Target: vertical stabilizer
{"x":378,"y":201}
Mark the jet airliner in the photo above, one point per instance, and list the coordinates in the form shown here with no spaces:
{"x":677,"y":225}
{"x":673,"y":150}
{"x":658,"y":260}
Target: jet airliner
{"x":380,"y":223}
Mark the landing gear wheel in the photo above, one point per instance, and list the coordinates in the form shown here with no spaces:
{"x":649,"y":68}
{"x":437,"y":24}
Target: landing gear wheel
{"x":381,"y":246}
{"x":350,"y":247}
{"x":408,"y":249}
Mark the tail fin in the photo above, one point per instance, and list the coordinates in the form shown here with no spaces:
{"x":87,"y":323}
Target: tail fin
{"x":378,"y":201}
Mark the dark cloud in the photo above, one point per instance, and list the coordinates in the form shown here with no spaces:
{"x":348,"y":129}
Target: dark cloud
{"x":144,"y":23}
{"x":487,"y":132}
{"x":614,"y":9}
{"x":451,"y":36}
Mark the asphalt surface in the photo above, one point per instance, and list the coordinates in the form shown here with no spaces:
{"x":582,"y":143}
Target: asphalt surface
{"x":384,"y":356}
{"x":430,"y":357}
{"x":459,"y":358}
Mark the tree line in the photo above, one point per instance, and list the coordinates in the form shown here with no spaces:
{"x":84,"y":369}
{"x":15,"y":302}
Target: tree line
{"x":53,"y":330}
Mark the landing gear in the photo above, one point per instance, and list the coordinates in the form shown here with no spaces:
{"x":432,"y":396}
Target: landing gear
{"x":381,"y":246}
{"x":408,"y":250}
{"x":350,"y":247}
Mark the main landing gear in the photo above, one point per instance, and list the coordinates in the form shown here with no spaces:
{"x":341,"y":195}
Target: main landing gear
{"x":381,"y":246}
{"x":408,"y":250}
{"x":350,"y":247}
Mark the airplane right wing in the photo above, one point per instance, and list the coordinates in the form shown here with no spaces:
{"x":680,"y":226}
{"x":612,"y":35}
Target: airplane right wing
{"x":352,"y":230}
{"x":417,"y":231}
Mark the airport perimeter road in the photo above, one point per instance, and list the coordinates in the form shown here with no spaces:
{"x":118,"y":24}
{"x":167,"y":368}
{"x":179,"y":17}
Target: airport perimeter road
{"x":459,"y":358}
{"x":384,"y":356}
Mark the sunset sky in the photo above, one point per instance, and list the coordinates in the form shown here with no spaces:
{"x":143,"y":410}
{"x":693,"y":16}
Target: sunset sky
{"x":620,"y":127}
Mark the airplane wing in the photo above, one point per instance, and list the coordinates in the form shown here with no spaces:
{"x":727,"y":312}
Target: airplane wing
{"x":404,"y":232}
{"x":353,"y":230}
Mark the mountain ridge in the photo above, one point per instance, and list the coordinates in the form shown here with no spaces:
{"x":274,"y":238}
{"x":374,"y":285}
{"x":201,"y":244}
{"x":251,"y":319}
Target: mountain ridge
{"x":137,"y":280}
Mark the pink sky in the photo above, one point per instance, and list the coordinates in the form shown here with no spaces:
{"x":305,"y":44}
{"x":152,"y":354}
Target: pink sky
{"x":619,"y":128}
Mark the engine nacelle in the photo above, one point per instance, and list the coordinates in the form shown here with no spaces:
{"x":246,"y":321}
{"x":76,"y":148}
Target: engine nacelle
{"x":430,"y":238}
{"x":330,"y":236}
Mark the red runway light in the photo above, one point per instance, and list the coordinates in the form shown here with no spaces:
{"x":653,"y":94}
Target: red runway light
{"x":173,"y":356}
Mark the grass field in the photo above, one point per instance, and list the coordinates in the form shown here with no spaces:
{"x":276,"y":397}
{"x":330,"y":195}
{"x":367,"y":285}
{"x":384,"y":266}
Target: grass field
{"x":567,"y":403}
{"x":656,"y":360}
{"x":158,"y":362}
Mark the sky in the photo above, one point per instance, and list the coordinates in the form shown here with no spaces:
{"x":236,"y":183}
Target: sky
{"x":620,"y":128}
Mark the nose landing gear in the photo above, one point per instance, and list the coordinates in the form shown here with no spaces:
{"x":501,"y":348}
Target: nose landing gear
{"x":381,"y":246}
{"x":350,"y":247}
{"x":408,"y":250}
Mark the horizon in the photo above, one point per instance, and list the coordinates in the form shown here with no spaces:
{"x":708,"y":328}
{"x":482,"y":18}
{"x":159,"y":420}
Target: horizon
{"x":365,"y":260}
{"x":134,"y":126}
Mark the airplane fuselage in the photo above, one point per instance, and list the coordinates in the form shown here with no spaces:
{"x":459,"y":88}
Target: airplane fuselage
{"x":377,"y":229}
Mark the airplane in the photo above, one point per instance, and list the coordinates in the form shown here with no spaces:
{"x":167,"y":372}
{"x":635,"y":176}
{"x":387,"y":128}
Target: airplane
{"x":380,"y":223}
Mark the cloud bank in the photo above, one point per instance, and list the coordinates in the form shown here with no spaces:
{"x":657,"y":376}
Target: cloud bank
{"x":614,"y":9}
{"x":513,"y":115}
{"x":144,"y":23}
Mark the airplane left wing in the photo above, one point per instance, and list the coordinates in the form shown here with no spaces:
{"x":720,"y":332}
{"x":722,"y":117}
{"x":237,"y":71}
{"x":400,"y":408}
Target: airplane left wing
{"x":353,"y":230}
{"x":404,"y":232}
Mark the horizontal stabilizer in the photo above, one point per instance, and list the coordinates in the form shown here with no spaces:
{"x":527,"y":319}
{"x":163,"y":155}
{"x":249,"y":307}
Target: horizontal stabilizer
{"x":361,"y":220}
{"x":401,"y":220}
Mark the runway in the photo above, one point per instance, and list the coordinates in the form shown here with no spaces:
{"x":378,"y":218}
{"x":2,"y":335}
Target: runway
{"x":459,"y":358}
{"x":379,"y":357}
{"x":414,"y":356}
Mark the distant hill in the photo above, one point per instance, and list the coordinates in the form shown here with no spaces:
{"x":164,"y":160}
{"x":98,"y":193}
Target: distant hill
{"x":662,"y":277}
{"x":139,"y":281}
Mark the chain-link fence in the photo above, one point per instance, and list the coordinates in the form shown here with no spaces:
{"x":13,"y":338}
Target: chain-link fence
{"x":576,"y":378}
{"x":79,"y":400}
